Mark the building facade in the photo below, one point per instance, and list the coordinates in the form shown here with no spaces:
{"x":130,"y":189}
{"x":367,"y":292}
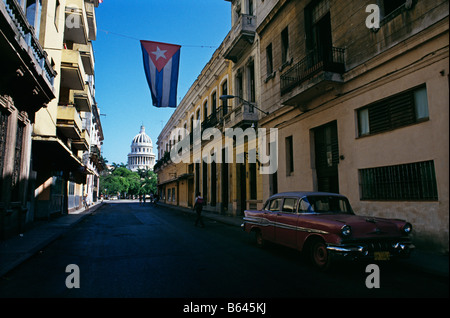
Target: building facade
{"x":200,"y":109}
{"x":26,"y":86}
{"x":357,"y":93}
{"x":53,"y":131}
{"x":361,"y":109}
{"x":141,"y":155}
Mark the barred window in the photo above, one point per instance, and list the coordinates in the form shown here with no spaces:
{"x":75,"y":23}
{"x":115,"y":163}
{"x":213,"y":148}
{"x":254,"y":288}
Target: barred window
{"x":412,"y":181}
{"x":400,"y":110}
{"x":3,"y":129}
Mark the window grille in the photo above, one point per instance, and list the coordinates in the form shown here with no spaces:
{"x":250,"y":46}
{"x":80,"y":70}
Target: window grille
{"x":412,"y":181}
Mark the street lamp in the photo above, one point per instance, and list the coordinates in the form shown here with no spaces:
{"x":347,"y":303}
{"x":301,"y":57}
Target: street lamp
{"x":226,"y":97}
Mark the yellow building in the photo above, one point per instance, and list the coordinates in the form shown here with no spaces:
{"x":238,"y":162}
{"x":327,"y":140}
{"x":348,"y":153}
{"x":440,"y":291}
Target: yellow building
{"x":67,"y":134}
{"x":200,"y":123}
{"x":229,"y":184}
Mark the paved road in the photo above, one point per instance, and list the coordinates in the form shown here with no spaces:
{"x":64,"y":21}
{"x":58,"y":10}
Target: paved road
{"x":126,"y":250}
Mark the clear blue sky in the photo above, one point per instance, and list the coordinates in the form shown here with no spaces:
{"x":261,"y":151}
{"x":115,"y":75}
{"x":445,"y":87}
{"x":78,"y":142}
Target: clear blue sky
{"x":122,"y":91}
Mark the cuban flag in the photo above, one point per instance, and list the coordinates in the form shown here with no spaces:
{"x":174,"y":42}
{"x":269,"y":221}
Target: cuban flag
{"x":161,"y":64}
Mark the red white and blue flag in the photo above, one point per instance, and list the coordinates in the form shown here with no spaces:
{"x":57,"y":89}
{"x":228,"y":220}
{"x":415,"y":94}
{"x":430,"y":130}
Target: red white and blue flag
{"x":161,"y":65}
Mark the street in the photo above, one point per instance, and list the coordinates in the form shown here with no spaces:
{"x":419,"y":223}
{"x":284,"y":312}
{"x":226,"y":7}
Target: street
{"x":127,"y":250}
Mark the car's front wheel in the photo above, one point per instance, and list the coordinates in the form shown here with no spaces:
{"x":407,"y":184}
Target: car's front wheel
{"x":320,"y":256}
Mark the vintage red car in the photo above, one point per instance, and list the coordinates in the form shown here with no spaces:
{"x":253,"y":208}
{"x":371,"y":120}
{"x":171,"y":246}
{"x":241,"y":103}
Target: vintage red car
{"x":325,"y":226}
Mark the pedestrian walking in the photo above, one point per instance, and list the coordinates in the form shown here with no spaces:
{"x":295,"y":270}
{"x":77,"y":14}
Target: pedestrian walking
{"x":198,"y":207}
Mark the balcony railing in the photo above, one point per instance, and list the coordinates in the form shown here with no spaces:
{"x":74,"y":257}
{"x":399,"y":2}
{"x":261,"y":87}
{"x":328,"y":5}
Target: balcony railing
{"x":27,"y":33}
{"x":216,"y":117}
{"x":313,"y":63}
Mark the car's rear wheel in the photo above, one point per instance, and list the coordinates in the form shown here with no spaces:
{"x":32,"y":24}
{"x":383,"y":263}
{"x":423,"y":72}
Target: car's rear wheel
{"x":320,"y":256}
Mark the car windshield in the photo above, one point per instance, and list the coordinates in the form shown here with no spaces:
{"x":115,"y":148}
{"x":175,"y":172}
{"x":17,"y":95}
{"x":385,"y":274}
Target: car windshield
{"x":325,"y":204}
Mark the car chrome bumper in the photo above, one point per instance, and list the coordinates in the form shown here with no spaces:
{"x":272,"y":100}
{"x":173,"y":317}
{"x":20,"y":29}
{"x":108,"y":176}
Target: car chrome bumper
{"x":396,"y":249}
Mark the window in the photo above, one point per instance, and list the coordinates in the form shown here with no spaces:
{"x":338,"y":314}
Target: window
{"x":275,"y":205}
{"x":289,"y":205}
{"x":71,"y":188}
{"x":394,"y":112}
{"x":205,"y":110}
{"x":15,"y":186}
{"x":289,"y":156}
{"x":213,"y":103}
{"x":413,"y":181}
{"x":225,"y":102}
{"x":251,"y":82}
{"x":269,"y":60}
{"x":284,"y":46}
{"x":3,"y":130}
{"x":239,"y":83}
{"x":57,"y":7}
{"x":250,"y":7}
{"x":33,"y":14}
{"x":304,"y":206}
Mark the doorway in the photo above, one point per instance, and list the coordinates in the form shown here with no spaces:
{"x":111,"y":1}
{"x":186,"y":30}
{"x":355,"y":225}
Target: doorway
{"x":327,"y":157}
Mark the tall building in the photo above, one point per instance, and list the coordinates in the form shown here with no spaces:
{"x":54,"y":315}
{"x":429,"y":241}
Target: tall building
{"x":141,"y":155}
{"x":51,"y":131}
{"x":67,"y":134}
{"x":26,"y":85}
{"x":200,"y":109}
{"x":359,"y":101}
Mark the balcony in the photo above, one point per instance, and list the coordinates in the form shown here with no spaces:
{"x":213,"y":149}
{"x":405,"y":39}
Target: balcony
{"x":244,"y":114}
{"x":92,"y":23}
{"x":314,"y":75}
{"x":68,"y":121}
{"x":216,"y":118}
{"x":26,"y":70}
{"x":241,"y":37}
{"x":72,"y":70}
{"x":87,"y":56}
{"x":95,"y":154}
{"x":81,"y":99}
{"x":76,"y":22}
{"x":83,"y":143}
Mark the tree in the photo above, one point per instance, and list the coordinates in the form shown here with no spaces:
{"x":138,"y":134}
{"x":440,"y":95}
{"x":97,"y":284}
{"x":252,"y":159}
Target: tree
{"x":121,"y":181}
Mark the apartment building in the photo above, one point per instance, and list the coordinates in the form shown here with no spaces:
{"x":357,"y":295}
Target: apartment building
{"x":26,"y":86}
{"x":224,"y":98}
{"x":51,"y":132}
{"x":361,"y":109}
{"x":67,"y":134}
{"x":200,"y":109}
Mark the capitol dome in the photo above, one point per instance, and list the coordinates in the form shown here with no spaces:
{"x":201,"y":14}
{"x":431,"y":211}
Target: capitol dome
{"x":141,"y":155}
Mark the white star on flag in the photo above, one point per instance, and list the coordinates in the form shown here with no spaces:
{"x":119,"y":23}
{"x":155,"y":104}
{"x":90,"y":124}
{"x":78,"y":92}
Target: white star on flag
{"x":159,"y":53}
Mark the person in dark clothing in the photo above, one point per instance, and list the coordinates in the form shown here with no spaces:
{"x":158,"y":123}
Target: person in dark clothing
{"x":198,"y":207}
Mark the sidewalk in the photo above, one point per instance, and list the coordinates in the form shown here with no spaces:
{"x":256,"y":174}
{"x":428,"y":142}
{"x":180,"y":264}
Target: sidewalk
{"x":16,"y":250}
{"x":19,"y":248}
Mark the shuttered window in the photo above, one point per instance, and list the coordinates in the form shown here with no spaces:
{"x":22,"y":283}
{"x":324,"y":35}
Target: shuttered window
{"x":412,"y":181}
{"x":400,"y":110}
